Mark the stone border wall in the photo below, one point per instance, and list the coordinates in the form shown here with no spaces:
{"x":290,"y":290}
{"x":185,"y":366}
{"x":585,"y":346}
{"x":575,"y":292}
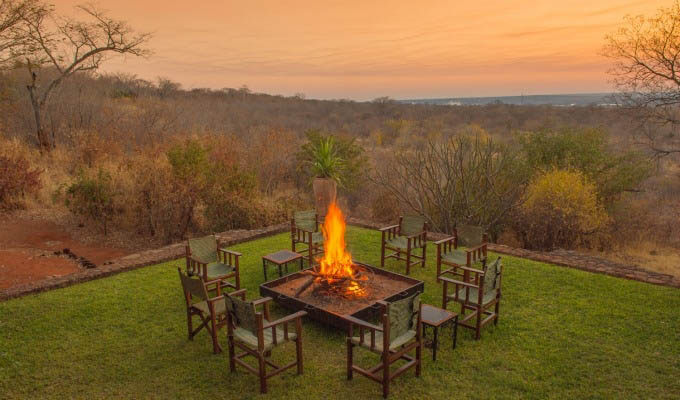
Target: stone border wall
{"x":564,"y":258}
{"x":134,"y":261}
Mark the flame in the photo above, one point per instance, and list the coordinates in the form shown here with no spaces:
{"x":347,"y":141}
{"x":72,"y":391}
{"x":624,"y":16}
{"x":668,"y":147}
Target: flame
{"x":336,"y":263}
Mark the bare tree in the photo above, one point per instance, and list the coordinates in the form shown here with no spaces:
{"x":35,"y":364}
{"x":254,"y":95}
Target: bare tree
{"x":460,"y":180}
{"x":646,"y":73}
{"x":12,"y":13}
{"x":70,"y":46}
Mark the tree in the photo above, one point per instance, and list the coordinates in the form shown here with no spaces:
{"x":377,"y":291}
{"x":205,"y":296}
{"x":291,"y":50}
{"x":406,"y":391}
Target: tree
{"x":646,"y":73}
{"x":462,"y":180}
{"x":12,"y":13}
{"x":70,"y":46}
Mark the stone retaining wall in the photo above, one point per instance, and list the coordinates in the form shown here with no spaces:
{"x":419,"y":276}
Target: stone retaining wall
{"x":565,"y":258}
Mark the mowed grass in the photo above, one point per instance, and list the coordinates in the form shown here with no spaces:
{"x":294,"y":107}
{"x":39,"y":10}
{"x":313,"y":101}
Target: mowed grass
{"x":563,"y":333}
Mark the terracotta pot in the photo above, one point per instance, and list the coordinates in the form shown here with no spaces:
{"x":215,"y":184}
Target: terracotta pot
{"x":325,"y":192}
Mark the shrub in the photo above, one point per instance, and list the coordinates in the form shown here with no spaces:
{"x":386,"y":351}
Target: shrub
{"x":561,"y":210}
{"x":92,"y":197}
{"x":587,"y":150}
{"x":16,"y":179}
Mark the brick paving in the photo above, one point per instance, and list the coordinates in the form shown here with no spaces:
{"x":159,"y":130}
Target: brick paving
{"x":566,"y":258}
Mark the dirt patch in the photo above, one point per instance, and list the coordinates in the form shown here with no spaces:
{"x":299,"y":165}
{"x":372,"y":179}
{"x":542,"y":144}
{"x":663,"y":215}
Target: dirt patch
{"x":28,"y":243}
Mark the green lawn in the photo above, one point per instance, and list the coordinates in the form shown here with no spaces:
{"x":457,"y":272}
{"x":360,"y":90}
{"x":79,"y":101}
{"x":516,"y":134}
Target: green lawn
{"x":563,"y":333}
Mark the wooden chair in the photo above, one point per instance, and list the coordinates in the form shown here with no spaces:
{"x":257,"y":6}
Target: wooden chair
{"x":211,"y":310}
{"x":399,"y":333}
{"x":473,"y":238}
{"x":257,"y":335}
{"x":304,"y":229}
{"x":403,"y":239}
{"x":476,"y":290}
{"x":215,"y":265}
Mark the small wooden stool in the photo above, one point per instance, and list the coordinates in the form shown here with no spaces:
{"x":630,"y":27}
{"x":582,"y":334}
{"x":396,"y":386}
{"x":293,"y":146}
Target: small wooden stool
{"x":437,"y":317}
{"x":280,"y":259}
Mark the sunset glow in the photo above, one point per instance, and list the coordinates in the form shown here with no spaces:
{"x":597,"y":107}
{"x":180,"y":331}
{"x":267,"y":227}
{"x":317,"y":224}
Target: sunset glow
{"x":361,"y":50}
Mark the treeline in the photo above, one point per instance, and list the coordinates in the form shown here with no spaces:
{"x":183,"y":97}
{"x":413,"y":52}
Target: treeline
{"x":162,"y":162}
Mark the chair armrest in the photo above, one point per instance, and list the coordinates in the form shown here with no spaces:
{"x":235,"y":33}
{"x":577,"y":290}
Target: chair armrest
{"x":457,"y":282}
{"x":241,"y":293}
{"x":387,"y":228}
{"x":215,"y":299}
{"x":196,"y":260}
{"x":303,"y":230}
{"x":261,"y":300}
{"x":415,"y":235}
{"x":285,"y":319}
{"x":475,"y":248}
{"x":365,"y":324}
{"x":448,"y":239}
{"x":475,"y":270}
{"x":235,"y":253}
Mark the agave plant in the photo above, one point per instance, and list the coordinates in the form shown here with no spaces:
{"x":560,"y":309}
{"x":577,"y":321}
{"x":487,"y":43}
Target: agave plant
{"x":333,"y":158}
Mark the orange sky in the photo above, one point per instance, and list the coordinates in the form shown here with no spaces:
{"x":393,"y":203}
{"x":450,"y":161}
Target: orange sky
{"x":365,"y":49}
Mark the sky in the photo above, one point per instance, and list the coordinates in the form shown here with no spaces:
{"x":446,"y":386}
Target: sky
{"x":365,"y":49}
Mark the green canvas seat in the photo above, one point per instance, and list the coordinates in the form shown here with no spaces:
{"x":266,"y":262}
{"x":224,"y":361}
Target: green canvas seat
{"x":471,"y":286}
{"x":406,"y":241}
{"x":458,"y":257}
{"x":304,"y":230}
{"x":399,"y":334}
{"x":249,"y":338}
{"x":254,"y":332}
{"x":378,"y":348}
{"x":220,"y":308}
{"x":206,"y":259}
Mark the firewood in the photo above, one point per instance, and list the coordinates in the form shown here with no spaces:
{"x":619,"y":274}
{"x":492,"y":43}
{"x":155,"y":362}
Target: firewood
{"x":304,"y":286}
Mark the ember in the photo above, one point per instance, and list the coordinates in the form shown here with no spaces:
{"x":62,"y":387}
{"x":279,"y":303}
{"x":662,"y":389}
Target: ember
{"x":336,"y":273}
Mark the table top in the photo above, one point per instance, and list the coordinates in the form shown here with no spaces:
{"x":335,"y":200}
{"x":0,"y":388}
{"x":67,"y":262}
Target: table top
{"x":282,"y":257}
{"x":435,"y":316}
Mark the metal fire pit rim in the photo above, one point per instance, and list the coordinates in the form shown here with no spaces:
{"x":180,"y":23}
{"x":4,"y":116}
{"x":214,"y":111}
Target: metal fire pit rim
{"x":328,"y":317}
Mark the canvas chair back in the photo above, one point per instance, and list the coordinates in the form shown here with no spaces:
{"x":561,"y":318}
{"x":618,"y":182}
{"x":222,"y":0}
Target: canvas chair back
{"x":469,"y":235}
{"x":242,"y":313}
{"x":193,"y":286}
{"x":492,"y":271}
{"x":305,"y":220}
{"x":204,"y":249}
{"x":403,"y":315}
{"x":412,"y":224}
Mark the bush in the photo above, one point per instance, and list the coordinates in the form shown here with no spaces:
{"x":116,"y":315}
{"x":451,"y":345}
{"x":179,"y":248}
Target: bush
{"x":16,"y":179}
{"x":587,"y":150}
{"x":92,"y":197}
{"x":561,"y":210}
{"x":328,"y":156}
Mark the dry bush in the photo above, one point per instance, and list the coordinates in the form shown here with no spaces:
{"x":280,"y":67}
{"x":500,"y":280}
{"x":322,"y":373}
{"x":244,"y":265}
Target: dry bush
{"x":17,"y":178}
{"x":561,"y":210}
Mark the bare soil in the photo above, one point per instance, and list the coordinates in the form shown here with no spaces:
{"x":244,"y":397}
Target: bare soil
{"x":379,"y":288}
{"x":29,"y":240}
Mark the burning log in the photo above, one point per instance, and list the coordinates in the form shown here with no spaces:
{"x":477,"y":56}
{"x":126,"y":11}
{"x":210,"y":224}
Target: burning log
{"x":335,"y":284}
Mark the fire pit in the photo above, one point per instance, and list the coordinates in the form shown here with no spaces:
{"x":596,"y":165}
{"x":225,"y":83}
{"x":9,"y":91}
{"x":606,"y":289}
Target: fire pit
{"x":339,"y":286}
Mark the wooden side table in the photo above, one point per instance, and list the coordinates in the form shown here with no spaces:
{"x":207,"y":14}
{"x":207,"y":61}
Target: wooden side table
{"x":281,"y":260}
{"x":437,"y":317}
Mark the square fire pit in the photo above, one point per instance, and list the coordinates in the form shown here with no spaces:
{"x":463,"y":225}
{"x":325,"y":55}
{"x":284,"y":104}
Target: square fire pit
{"x":330,"y":310}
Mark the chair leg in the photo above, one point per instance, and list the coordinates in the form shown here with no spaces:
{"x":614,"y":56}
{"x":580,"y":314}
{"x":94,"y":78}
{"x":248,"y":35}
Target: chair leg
{"x":444,"y":297}
{"x":298,"y":348}
{"x":213,"y":333}
{"x":232,"y":363}
{"x":350,"y":359}
{"x":263,"y":373}
{"x":408,"y":261}
{"x":386,"y":373}
{"x":189,"y":325}
{"x":424,"y":254}
{"x":478,"y":326}
{"x":419,"y":354}
{"x":497,"y":308}
{"x":382,"y":255}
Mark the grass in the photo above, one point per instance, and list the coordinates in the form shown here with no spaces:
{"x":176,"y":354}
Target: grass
{"x":563,"y":333}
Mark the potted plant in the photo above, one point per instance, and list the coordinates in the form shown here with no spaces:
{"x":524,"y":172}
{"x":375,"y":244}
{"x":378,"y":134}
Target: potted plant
{"x":330,"y":162}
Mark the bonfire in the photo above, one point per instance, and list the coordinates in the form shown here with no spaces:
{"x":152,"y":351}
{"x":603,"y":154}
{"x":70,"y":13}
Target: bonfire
{"x":336,"y":273}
